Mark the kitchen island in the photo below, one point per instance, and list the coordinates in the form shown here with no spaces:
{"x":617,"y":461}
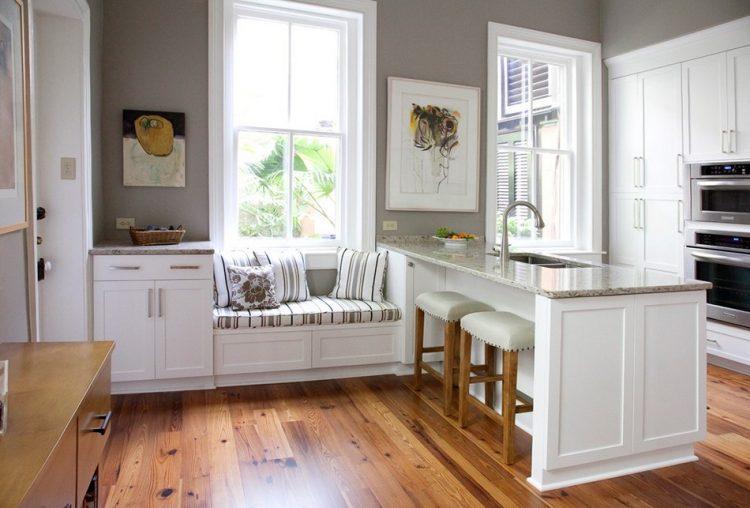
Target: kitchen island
{"x":618,"y":369}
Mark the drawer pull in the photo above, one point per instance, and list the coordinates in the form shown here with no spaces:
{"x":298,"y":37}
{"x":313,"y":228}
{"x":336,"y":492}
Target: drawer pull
{"x":116,"y":267}
{"x":184,"y":267}
{"x":101,"y":429}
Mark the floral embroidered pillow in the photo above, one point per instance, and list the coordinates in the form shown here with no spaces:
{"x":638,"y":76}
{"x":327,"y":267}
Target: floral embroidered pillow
{"x":252,"y":287}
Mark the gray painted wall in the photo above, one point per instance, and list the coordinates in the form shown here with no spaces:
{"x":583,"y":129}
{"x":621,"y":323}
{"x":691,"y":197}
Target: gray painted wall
{"x":446,"y":40}
{"x":97,"y":38}
{"x":13,"y":312}
{"x":155,"y":57}
{"x":633,"y":24}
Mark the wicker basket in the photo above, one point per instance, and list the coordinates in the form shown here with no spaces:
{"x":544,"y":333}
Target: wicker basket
{"x":156,"y":237}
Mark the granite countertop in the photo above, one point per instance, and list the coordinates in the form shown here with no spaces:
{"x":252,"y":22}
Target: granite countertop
{"x":124,"y":249}
{"x":591,"y":280}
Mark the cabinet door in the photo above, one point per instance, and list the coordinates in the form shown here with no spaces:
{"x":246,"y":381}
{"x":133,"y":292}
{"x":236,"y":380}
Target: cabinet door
{"x":625,"y":236}
{"x":738,"y":87}
{"x":124,"y":313}
{"x":704,"y":107}
{"x":184,"y":332}
{"x":669,"y":370}
{"x":662,"y":234}
{"x":625,"y":133}
{"x":662,"y":129}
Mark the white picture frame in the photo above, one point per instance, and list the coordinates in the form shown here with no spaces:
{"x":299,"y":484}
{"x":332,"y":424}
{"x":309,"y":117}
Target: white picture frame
{"x":433,"y":146}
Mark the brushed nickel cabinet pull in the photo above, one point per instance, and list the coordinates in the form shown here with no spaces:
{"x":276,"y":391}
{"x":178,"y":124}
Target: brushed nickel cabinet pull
{"x":124,"y":267}
{"x":184,"y":267}
{"x":149,"y":299}
{"x":158,"y":299}
{"x":101,"y":429}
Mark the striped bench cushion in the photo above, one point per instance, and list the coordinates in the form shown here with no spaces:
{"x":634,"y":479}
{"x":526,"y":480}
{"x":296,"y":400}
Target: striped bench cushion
{"x":318,"y":310}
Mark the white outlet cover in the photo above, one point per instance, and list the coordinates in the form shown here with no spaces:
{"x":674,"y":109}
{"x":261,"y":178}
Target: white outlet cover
{"x":124,"y":222}
{"x":390,"y":225}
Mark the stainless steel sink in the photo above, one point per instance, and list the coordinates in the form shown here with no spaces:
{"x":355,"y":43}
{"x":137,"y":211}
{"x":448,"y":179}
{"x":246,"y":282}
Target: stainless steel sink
{"x":540,"y":260}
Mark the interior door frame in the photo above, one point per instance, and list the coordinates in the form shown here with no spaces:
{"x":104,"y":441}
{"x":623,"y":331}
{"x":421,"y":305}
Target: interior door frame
{"x":85,"y":172}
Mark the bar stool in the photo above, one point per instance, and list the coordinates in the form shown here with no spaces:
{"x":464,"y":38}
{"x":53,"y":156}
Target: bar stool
{"x":449,"y":307}
{"x":509,"y":333}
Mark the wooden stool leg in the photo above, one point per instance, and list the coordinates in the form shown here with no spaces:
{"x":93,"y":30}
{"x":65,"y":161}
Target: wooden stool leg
{"x":489,"y":388}
{"x":418,"y":346}
{"x":510,"y":375}
{"x":463,"y":378}
{"x":449,"y":355}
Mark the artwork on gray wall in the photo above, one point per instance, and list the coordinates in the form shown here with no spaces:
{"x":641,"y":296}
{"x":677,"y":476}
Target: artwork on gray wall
{"x":153,"y":149}
{"x":433,"y":146}
{"x":14,"y":121}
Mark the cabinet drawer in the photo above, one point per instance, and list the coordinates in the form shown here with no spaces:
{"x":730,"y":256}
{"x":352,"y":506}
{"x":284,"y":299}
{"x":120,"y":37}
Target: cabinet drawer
{"x":93,"y":429}
{"x":153,"y":267}
{"x":262,"y":352}
{"x":335,"y":348}
{"x":728,"y":346}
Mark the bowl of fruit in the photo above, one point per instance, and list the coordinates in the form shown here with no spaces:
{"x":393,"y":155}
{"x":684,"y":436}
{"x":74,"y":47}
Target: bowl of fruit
{"x":453,"y":240}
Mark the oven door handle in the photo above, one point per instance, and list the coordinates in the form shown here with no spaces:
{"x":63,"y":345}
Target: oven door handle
{"x":727,"y":259}
{"x":723,"y":184}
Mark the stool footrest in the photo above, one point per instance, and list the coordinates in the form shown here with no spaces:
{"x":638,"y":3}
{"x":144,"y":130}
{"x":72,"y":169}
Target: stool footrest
{"x":432,"y":371}
{"x":486,"y":379}
{"x":433,"y":349}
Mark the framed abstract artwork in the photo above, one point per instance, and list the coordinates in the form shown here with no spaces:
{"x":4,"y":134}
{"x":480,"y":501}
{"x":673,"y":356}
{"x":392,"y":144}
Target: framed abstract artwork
{"x":15,"y":164}
{"x":153,"y":149}
{"x":433,"y":146}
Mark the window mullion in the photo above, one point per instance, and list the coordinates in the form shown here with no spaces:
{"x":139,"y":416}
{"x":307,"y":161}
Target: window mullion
{"x":289,"y":172}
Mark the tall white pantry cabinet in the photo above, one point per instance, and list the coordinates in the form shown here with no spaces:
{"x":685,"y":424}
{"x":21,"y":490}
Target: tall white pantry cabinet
{"x":684,"y":101}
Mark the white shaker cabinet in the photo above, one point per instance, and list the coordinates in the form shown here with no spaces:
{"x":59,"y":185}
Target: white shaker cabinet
{"x":124,"y":312}
{"x":157,"y":309}
{"x":704,"y":103}
{"x":626,"y":127}
{"x":662,"y":226}
{"x":738,"y":90}
{"x":625,"y":239}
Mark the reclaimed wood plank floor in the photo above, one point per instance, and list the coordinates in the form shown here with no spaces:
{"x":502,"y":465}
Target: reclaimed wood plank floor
{"x":376,"y":442}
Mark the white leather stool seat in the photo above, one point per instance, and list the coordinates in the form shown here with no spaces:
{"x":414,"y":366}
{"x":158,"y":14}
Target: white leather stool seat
{"x":449,"y":305}
{"x":503,"y":330}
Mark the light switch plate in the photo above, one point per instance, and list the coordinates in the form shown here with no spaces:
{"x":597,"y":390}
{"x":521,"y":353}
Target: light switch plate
{"x":124,"y":222}
{"x":68,"y":168}
{"x":390,"y":225}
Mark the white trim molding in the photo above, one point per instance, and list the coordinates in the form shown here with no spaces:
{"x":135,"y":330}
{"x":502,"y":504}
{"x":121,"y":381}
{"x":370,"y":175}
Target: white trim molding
{"x":586,"y":135}
{"x":717,"y":39}
{"x":358,"y":223}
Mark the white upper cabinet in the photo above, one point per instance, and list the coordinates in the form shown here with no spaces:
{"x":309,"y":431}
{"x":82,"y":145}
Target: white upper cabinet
{"x":738,"y":90}
{"x":704,"y":107}
{"x":662,"y":129}
{"x":626,"y":128}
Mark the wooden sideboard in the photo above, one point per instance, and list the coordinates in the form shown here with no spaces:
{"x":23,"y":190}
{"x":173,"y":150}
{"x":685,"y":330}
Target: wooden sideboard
{"x":59,"y":410}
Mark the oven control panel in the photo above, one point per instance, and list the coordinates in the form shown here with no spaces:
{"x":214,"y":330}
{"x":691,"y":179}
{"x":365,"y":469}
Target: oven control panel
{"x":737,"y":169}
{"x":723,"y":240}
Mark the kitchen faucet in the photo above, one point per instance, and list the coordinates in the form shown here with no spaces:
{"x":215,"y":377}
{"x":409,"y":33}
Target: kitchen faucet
{"x":505,"y":252}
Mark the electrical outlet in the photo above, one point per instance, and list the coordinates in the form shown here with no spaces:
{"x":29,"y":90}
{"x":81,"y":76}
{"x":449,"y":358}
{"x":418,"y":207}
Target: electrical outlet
{"x":124,"y":222}
{"x":390,"y":225}
{"x":68,"y":168}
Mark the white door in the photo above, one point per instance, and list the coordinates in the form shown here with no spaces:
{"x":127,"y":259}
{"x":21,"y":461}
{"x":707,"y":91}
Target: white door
{"x":738,"y":88}
{"x":626,"y":133}
{"x":669,"y":370}
{"x":662,"y":234}
{"x":704,"y":96}
{"x":625,"y":235}
{"x":60,"y":160}
{"x":184,"y":330}
{"x":662,"y":129}
{"x":124,"y":313}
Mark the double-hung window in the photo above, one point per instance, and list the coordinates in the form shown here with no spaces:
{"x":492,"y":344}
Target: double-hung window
{"x":295,"y":108}
{"x":541,"y":138}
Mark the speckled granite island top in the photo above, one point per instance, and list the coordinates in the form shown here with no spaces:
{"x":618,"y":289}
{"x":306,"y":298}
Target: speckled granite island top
{"x":124,"y":249}
{"x":593,"y":280}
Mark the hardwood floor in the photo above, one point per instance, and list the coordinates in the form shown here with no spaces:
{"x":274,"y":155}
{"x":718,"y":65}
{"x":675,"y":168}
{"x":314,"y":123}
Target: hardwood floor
{"x":374,"y":441}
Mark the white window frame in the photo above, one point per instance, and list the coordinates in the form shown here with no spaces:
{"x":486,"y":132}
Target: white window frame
{"x":356,"y":188}
{"x":584,"y":129}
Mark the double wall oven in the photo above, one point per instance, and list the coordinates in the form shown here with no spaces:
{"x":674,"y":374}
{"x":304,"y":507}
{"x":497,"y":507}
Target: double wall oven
{"x":717,"y":238}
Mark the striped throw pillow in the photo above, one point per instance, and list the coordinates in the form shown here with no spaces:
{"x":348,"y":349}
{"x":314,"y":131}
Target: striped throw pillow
{"x":361,"y":275}
{"x":222,"y":262}
{"x":289,"y":270}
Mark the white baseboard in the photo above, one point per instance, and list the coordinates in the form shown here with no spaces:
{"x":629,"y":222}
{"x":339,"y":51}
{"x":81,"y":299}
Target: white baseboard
{"x":296,"y":376}
{"x":729,"y":364}
{"x":211,"y":382}
{"x":612,"y":468}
